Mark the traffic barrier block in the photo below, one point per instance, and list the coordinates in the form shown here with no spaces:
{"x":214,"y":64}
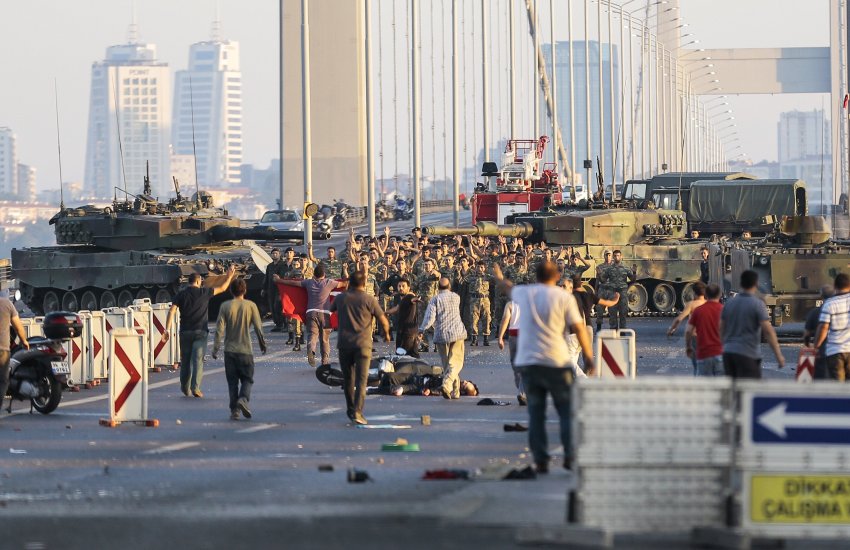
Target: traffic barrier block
{"x":615,"y":353}
{"x":77,"y":358}
{"x":32,"y":326}
{"x":95,"y":323}
{"x":165,"y":354}
{"x":143,"y":320}
{"x":128,"y":378}
{"x":806,"y":365}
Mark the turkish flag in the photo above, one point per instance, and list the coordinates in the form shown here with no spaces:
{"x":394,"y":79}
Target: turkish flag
{"x":293,"y":301}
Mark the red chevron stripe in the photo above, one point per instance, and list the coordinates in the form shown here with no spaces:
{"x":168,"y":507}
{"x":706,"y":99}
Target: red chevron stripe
{"x":134,"y":377}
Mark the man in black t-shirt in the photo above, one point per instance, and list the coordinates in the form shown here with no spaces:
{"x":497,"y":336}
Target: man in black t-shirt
{"x":193,"y":302}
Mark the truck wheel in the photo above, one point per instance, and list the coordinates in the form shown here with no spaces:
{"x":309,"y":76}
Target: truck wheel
{"x":663,"y":297}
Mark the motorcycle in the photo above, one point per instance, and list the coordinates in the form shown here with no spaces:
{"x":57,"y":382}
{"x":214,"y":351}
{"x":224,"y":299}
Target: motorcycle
{"x":340,"y":217}
{"x":383,"y":212}
{"x":39,"y":374}
{"x":331,"y":375}
{"x":403,"y":209}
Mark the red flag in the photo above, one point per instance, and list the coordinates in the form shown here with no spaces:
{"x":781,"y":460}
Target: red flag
{"x":846,"y":100}
{"x":293,"y":301}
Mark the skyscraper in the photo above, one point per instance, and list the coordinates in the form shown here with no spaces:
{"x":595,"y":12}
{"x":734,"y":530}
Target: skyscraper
{"x":129,"y":111}
{"x":208,"y":110}
{"x":26,"y":182}
{"x":802,"y":134}
{"x":8,"y":164}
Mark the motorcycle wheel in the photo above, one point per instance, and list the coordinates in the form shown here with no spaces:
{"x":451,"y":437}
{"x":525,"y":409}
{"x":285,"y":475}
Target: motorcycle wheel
{"x":52,"y":395}
{"x":329,"y":376}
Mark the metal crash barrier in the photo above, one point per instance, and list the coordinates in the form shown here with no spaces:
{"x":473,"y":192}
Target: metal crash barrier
{"x":759,"y":458}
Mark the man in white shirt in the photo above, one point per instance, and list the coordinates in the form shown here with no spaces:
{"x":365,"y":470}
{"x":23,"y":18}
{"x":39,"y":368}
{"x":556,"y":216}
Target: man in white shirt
{"x":834,"y":329}
{"x":549,"y":313}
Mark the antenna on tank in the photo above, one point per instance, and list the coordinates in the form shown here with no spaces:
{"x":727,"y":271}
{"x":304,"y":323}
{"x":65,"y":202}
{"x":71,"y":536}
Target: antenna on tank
{"x":59,"y":147}
{"x":194,"y":150}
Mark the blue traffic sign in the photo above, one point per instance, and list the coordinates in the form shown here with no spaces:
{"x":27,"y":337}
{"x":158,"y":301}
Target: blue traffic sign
{"x":796,"y":420}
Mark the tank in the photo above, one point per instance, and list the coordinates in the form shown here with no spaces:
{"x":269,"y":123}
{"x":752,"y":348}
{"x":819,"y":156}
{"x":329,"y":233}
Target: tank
{"x":107,"y":257}
{"x":653,"y":241}
{"x":793,"y":263}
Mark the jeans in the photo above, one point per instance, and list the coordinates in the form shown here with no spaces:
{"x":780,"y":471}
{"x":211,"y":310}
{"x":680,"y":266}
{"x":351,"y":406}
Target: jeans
{"x":193,"y":346}
{"x":407,"y":339}
{"x":238,"y":367}
{"x":512,"y":343}
{"x":838,"y":366}
{"x":710,"y":366}
{"x":540,"y":380}
{"x":355,"y":372}
{"x":4,"y":374}
{"x":741,"y":366}
{"x":318,"y":324}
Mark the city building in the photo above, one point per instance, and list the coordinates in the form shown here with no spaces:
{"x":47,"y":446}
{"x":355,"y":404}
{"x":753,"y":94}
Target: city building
{"x":581,"y":72}
{"x":8,"y":163}
{"x":207,"y":119}
{"x":132,"y":82}
{"x":26,"y":183}
{"x":805,"y":153}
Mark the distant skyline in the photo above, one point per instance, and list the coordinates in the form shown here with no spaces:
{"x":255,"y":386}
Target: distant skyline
{"x":60,"y":39}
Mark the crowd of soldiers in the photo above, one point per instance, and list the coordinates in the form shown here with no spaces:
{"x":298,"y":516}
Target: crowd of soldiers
{"x":466,"y":261}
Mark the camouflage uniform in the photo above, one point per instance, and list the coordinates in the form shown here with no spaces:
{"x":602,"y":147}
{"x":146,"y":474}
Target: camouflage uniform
{"x":333,"y":268}
{"x":293,"y":324}
{"x":617,"y":277}
{"x":426,"y":288}
{"x":479,"y":304}
{"x":602,"y":291}
{"x":462,"y":281}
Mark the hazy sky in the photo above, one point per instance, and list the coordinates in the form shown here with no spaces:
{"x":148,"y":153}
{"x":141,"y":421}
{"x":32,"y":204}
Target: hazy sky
{"x":45,"y":39}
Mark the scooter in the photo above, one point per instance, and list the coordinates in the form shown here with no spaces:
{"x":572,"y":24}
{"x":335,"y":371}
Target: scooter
{"x":39,"y":374}
{"x":403,"y":210}
{"x":331,"y":375}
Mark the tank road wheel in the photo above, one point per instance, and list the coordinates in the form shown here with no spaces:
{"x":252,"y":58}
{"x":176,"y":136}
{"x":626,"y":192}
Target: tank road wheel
{"x":50,"y":302}
{"x":663,"y":297}
{"x":687,"y":294}
{"x":143,"y":294}
{"x":107,"y":300}
{"x":125,"y":298}
{"x":163,"y":296}
{"x":70,"y":302}
{"x":88,"y":301}
{"x":637,"y":298}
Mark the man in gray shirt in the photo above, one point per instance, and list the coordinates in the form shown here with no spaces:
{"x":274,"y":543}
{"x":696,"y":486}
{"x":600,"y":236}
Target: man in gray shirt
{"x":357,"y":310}
{"x":8,"y":318}
{"x":742,"y":322}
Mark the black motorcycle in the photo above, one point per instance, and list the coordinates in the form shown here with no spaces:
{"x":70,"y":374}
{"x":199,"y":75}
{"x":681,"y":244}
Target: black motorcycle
{"x":403,"y":209}
{"x":40,"y":373}
{"x":340,"y":217}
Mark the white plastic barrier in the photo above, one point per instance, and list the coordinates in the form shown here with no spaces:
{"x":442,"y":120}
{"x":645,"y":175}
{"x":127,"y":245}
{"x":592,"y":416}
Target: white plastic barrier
{"x":128,"y":378}
{"x":143,"y":320}
{"x":165,"y":354}
{"x":96,"y":345}
{"x":806,"y":365}
{"x":615,"y":353}
{"x":118,"y":317}
{"x":651,"y":455}
{"x":32,"y":326}
{"x":77,"y":358}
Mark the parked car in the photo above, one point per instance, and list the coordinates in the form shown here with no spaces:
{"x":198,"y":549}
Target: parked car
{"x":282,"y":220}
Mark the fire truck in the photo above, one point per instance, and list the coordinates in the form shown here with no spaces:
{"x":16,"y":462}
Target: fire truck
{"x":524,"y":184}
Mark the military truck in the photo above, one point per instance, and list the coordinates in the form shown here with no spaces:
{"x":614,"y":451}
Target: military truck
{"x":642,"y":190}
{"x":652,"y":241}
{"x":793,"y":263}
{"x":110,"y":256}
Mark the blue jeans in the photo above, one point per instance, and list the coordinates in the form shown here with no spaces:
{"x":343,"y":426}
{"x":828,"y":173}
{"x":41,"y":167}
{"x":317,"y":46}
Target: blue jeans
{"x":238,"y":368}
{"x":193,"y":346}
{"x":538,"y":381}
{"x":710,"y":366}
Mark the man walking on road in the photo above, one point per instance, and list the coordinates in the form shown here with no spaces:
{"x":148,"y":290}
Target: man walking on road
{"x":702,"y":337}
{"x":548,"y":314}
{"x":834,"y":330}
{"x":357,"y":310}
{"x":318,"y":320}
{"x":8,"y":319}
{"x":443,"y":312}
{"x":193,"y":302}
{"x":235,"y":318}
{"x":742,"y":322}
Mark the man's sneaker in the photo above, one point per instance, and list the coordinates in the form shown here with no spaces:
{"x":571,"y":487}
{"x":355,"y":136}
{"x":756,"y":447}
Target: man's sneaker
{"x":311,"y":358}
{"x":445,"y":393}
{"x":186,"y":392}
{"x":234,"y":415}
{"x":486,"y":340}
{"x":242,"y":405}
{"x":198,"y":393}
{"x":358,"y":419}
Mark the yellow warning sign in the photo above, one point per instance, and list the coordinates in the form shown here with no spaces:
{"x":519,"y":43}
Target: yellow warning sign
{"x":800,"y":499}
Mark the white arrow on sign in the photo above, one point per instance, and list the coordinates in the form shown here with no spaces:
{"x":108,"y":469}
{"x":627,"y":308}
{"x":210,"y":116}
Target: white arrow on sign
{"x":777,"y":420}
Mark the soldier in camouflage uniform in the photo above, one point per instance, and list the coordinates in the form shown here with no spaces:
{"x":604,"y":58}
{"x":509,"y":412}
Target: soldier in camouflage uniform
{"x":296,"y":272}
{"x":464,"y":271}
{"x":602,"y":290}
{"x":270,"y":291}
{"x":478,"y":285}
{"x":576,"y":265}
{"x":513,"y":272}
{"x":426,"y":288}
{"x":332,"y":264}
{"x":618,"y":277}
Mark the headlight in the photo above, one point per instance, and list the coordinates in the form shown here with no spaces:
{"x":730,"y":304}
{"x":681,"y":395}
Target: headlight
{"x":298,"y":226}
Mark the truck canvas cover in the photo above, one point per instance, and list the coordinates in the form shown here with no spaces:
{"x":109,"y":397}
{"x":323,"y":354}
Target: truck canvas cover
{"x":714,"y":201}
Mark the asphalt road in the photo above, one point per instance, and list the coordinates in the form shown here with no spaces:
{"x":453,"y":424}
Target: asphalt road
{"x":209,"y":482}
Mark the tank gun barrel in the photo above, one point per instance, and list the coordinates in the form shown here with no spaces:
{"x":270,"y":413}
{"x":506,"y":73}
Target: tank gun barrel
{"x":227,"y":233}
{"x":483,"y":229}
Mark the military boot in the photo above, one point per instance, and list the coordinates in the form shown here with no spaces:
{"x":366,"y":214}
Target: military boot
{"x":290,"y":341}
{"x":297,"y":346}
{"x":474,"y":340}
{"x":301,"y":340}
{"x":486,"y":340}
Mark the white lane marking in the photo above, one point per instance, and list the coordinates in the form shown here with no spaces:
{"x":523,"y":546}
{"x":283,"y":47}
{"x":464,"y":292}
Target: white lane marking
{"x":257,"y":428}
{"x":172,"y":448}
{"x":326,"y":410}
{"x":662,"y":370}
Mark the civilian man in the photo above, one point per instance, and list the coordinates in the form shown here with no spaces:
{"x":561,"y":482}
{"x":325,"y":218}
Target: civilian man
{"x":704,"y":327}
{"x":810,"y":330}
{"x":443,"y":312}
{"x":8,"y":319}
{"x":834,"y":329}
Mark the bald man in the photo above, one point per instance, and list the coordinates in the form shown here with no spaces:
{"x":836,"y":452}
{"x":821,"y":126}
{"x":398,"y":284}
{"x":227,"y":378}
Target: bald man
{"x":443,"y":313}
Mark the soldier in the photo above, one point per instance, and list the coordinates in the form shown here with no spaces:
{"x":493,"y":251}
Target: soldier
{"x":270,"y":292}
{"x":479,"y":303}
{"x":306,"y":267}
{"x":602,"y":290}
{"x":513,"y":272}
{"x":576,"y":265}
{"x":463,"y":273}
{"x":618,"y":277}
{"x":294,"y":325}
{"x":332,"y":264}
{"x":426,"y":288}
